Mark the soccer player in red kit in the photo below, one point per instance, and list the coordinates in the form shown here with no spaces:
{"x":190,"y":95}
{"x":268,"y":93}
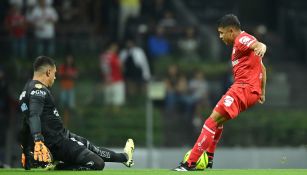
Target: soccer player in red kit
{"x":248,"y":87}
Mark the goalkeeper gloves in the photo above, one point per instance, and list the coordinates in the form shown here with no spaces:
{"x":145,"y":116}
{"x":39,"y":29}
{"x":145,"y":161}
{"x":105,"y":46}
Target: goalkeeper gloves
{"x":28,"y":162}
{"x":41,"y":152}
{"x":25,"y":158}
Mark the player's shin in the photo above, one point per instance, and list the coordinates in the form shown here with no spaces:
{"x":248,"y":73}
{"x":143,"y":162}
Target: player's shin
{"x":204,"y":140}
{"x":106,"y":154}
{"x":211,"y":149}
{"x":217,"y":137}
{"x":110,"y":156}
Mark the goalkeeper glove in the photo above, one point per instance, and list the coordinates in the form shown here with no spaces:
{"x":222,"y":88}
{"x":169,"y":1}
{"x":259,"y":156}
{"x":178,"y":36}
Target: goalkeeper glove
{"x":41,"y":152}
{"x":25,"y":158}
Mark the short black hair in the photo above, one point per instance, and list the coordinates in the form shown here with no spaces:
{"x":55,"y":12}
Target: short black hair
{"x":42,"y":61}
{"x":229,"y":20}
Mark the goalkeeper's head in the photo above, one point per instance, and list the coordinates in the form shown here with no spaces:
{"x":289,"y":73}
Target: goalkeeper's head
{"x":44,"y":70}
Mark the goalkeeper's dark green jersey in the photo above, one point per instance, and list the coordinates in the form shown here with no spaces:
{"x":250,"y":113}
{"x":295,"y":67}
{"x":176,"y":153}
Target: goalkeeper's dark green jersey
{"x":40,"y":113}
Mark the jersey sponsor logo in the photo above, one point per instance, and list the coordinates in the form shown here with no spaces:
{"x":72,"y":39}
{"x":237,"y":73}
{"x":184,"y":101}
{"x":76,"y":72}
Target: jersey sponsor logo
{"x":228,"y":100}
{"x":23,"y":94}
{"x":38,"y":93}
{"x":235,"y":62}
{"x":245,"y":40}
{"x":23,"y":107}
{"x":38,"y":86}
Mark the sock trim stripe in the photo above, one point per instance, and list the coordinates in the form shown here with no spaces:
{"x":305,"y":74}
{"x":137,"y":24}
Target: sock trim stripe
{"x":208,"y":129}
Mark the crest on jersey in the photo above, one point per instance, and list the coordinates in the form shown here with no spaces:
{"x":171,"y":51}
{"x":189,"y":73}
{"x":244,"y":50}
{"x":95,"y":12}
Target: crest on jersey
{"x":38,"y":86}
{"x":228,"y":100}
{"x":245,"y":40}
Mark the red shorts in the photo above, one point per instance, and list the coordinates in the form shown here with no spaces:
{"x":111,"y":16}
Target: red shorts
{"x":237,"y":99}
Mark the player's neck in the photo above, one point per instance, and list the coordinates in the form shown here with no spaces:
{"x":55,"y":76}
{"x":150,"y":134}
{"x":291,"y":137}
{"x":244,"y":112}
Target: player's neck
{"x":40,"y":78}
{"x":237,"y":33}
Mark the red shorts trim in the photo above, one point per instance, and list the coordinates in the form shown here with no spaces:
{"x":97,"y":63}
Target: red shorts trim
{"x":236,"y":100}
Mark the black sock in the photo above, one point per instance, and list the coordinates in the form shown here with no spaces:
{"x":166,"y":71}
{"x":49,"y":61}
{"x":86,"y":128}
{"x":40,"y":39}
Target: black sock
{"x":210,"y":155}
{"x":111,"y":156}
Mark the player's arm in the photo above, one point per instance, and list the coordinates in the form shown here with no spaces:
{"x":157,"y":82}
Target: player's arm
{"x":25,"y":147}
{"x":263,"y":84}
{"x":259,"y":48}
{"x":36,"y":105}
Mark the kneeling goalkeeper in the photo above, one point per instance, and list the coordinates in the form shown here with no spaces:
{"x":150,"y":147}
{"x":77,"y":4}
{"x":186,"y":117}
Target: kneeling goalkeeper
{"x":44,"y":140}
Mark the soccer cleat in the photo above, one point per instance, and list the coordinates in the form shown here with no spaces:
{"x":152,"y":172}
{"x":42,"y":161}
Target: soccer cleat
{"x":129,"y":150}
{"x":50,"y":166}
{"x":185,"y":167}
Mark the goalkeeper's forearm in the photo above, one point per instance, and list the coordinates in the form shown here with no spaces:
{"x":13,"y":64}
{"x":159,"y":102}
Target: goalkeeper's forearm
{"x":35,"y":127}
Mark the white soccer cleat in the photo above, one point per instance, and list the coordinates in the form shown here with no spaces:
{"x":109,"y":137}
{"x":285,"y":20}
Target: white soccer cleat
{"x":129,"y":150}
{"x":50,"y":167}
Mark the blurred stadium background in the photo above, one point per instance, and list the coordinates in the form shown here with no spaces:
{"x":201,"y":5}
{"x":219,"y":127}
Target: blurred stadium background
{"x":184,"y":66}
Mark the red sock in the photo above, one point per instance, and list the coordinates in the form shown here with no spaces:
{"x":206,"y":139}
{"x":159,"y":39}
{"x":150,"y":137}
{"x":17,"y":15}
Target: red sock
{"x":204,"y":140}
{"x":217,"y":136}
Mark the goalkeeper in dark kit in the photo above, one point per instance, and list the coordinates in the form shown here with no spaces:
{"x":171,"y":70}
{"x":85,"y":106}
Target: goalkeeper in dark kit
{"x":44,"y":140}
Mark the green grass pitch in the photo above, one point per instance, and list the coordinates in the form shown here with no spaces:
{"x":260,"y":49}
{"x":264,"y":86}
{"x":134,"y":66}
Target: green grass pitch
{"x":159,"y":172}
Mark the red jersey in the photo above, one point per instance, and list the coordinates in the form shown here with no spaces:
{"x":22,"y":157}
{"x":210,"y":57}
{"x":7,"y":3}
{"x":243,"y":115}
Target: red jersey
{"x":16,"y":23}
{"x":111,"y":67}
{"x":68,"y":75}
{"x":246,"y":65}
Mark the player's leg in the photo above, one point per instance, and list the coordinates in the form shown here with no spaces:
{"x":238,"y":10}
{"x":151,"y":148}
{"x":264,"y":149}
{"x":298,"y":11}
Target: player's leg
{"x":227,"y":108}
{"x":206,"y":136}
{"x":235,"y":101}
{"x":204,"y":140}
{"x":73,"y":155}
{"x":86,"y":160}
{"x":106,"y":154}
{"x":211,"y":149}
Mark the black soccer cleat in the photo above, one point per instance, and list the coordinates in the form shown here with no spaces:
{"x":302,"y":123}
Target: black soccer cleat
{"x":185,"y":167}
{"x":210,"y":160}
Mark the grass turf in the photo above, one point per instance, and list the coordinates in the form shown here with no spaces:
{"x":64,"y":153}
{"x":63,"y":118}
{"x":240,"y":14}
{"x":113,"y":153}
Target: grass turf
{"x":159,"y":172}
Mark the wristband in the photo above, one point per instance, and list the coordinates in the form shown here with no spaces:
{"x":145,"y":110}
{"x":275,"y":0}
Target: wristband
{"x":38,"y":137}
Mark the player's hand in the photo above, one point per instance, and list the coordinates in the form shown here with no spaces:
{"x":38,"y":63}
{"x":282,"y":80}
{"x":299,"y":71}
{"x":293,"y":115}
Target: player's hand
{"x":23,"y":160}
{"x":261,"y":99}
{"x":41,"y":152}
{"x":260,"y":50}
